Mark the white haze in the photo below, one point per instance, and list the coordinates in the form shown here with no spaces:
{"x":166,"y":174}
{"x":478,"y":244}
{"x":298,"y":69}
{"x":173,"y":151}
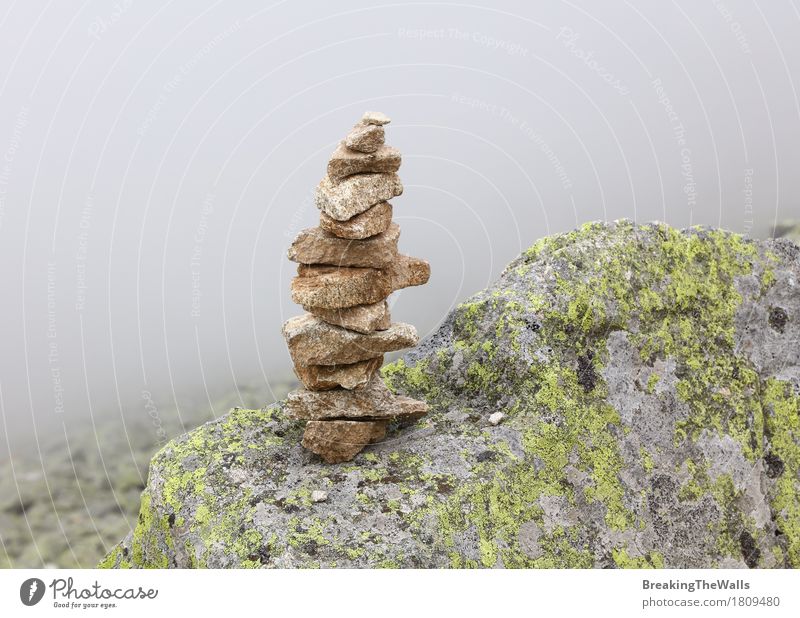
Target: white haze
{"x":157,"y":158}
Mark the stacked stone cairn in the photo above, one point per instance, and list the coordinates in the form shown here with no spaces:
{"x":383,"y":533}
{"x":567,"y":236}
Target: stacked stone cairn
{"x":348,"y":266}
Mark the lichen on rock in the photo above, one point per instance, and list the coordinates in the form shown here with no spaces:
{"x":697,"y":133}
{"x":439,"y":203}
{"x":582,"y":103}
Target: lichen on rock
{"x":650,"y":400}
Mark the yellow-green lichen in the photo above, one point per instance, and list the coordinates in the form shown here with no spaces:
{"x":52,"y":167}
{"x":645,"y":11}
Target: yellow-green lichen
{"x":416,"y":378}
{"x":149,"y":529}
{"x":783,"y":423}
{"x":652,"y":382}
{"x":731,"y":523}
{"x":116,"y":559}
{"x":653,"y":560}
{"x":184,"y":498}
{"x":301,"y":533}
{"x":647,"y":460}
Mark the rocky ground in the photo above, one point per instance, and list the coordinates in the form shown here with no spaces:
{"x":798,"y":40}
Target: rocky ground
{"x":788,"y":229}
{"x":623,"y":396}
{"x":66,"y":507}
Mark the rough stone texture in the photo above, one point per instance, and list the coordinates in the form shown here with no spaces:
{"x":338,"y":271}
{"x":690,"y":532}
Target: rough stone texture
{"x":339,"y":441}
{"x":355,"y":194}
{"x":652,"y":415}
{"x":345,"y":162}
{"x":312,"y":341}
{"x":326,"y":377}
{"x":373,"y":221}
{"x":378,"y":118}
{"x":373,"y":402}
{"x":365,"y":138}
{"x":334,"y":287}
{"x":317,"y":246}
{"x":361,"y":318}
{"x":407,"y":271}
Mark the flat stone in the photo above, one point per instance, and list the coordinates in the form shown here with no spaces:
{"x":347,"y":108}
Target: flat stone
{"x":345,"y":162}
{"x":312,"y":341}
{"x":355,"y":194}
{"x":361,"y":318}
{"x":334,"y":287}
{"x":319,"y":496}
{"x":378,"y":118}
{"x":339,"y":441}
{"x":373,"y":402}
{"x":372,"y":221}
{"x":317,"y":246}
{"x":349,"y":376}
{"x":365,"y":138}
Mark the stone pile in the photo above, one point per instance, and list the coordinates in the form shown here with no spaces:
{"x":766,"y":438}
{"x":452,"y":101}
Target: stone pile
{"x":348,"y":266}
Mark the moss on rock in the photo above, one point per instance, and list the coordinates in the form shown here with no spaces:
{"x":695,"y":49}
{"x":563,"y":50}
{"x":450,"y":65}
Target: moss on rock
{"x":647,"y":424}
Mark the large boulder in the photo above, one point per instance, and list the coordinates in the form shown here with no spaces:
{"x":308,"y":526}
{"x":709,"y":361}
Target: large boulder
{"x":649,"y":382}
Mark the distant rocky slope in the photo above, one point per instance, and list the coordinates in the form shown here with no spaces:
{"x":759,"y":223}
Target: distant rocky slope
{"x":648,"y":384}
{"x":788,"y":229}
{"x":64,"y":506}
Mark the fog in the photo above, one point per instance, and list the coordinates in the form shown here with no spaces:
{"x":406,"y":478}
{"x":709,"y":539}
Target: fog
{"x":158,"y":158}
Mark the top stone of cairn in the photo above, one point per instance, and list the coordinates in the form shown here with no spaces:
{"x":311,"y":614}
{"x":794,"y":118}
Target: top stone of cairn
{"x":377,"y":118}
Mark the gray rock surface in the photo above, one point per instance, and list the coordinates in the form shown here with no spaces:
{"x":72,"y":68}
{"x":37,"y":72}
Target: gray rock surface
{"x":650,"y":382}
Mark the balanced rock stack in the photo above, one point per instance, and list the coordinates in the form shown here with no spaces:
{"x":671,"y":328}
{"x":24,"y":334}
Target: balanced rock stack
{"x":348,"y":266}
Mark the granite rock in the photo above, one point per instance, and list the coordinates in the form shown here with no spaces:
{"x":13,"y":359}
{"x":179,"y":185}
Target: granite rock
{"x":365,"y":138}
{"x":312,"y":341}
{"x":317,"y":246}
{"x":334,"y":287}
{"x":355,"y":194}
{"x":372,"y":221}
{"x":652,"y":408}
{"x":361,"y":318}
{"x":372,"y":402}
{"x":345,"y":162}
{"x":406,"y":271}
{"x":339,"y":441}
{"x":377,"y":118}
{"x":326,"y":377}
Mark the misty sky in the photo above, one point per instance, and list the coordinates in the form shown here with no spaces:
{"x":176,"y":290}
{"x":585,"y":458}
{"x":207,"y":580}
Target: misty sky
{"x":157,"y":158}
